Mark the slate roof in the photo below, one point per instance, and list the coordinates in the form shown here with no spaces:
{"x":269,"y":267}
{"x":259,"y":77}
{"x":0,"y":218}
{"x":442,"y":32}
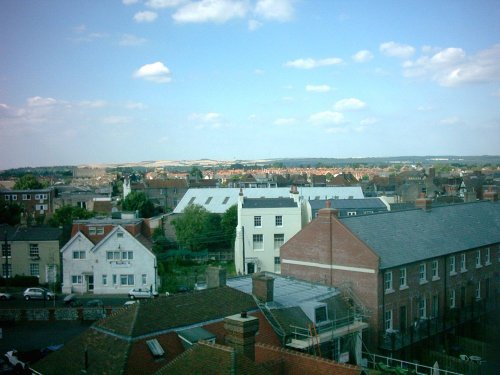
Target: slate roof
{"x":30,"y":233}
{"x":367,"y":203}
{"x":269,"y":203}
{"x":218,"y":200}
{"x":180,"y":310}
{"x":403,"y":237}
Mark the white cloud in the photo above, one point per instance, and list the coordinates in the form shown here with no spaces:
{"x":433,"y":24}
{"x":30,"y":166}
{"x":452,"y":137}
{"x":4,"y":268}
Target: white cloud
{"x":218,"y":11}
{"x":135,"y":105}
{"x":254,"y":25}
{"x":368,"y":121}
{"x":155,"y":72}
{"x":362,"y":56}
{"x":159,"y":4}
{"x":326,"y":117}
{"x":318,"y":88}
{"x":80,"y":29}
{"x":284,"y":121}
{"x":279,"y":10}
{"x":394,"y":49}
{"x":309,"y":63}
{"x":145,"y":16}
{"x":129,"y":2}
{"x":131,"y":40}
{"x":38,"y":101}
{"x":453,"y":120}
{"x":93,"y":103}
{"x":259,"y":72}
{"x":115,"y":120}
{"x":349,"y":104}
{"x":452,"y":67}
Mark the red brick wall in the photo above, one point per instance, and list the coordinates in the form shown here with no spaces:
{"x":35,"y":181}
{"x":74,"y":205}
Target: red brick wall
{"x":296,"y":363}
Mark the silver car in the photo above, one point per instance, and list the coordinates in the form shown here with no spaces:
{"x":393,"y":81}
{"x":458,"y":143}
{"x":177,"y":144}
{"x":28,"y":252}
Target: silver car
{"x":141,"y":293}
{"x":38,"y":293}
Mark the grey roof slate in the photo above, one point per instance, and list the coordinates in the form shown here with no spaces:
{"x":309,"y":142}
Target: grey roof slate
{"x":269,"y":202}
{"x":218,"y":200}
{"x":29,"y":233}
{"x":404,"y":237}
{"x":368,"y":203}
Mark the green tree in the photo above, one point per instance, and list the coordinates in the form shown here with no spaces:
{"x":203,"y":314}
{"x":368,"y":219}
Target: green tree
{"x":10,"y":214}
{"x":138,"y":201}
{"x":28,"y":181}
{"x":64,"y":216}
{"x":196,"y":173}
{"x":228,"y":223}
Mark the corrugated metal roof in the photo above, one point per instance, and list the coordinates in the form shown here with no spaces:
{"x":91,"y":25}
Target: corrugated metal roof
{"x":402,"y":237}
{"x":223,"y":198}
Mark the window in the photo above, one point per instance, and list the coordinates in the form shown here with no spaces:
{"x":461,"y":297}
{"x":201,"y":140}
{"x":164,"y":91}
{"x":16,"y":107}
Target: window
{"x":114,"y":280}
{"x":487,"y":256}
{"x":258,"y":242}
{"x":127,"y":255}
{"x":35,"y":269}
{"x":388,"y":320}
{"x":478,"y":290}
{"x":41,"y":207}
{"x":422,"y":313}
{"x":278,"y":220}
{"x":6,"y":250}
{"x":100,"y":231}
{"x":257,"y":221}
{"x":26,"y":197}
{"x":435,"y":270}
{"x":452,"y":298}
{"x":277,"y":264}
{"x":92,"y":231}
{"x":320,"y":314}
{"x":126,"y":279}
{"x":7,"y":270}
{"x":79,"y":254}
{"x":435,"y":306}
{"x":225,"y":200}
{"x":34,"y":252}
{"x":7,"y":197}
{"x":119,"y":234}
{"x":462,"y":263}
{"x":478,"y":259}
{"x":144,"y":279}
{"x":402,"y":278}
{"x":76,"y":279}
{"x":351,"y":213}
{"x":452,"y":265}
{"x":208,"y":200}
{"x":422,"y":273}
{"x":279,"y":239}
{"x":14,"y":197}
{"x":104,"y":279}
{"x":388,"y":281}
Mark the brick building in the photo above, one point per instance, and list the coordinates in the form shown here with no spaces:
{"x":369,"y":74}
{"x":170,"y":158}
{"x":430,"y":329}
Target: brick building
{"x":419,"y":272}
{"x":35,"y":203}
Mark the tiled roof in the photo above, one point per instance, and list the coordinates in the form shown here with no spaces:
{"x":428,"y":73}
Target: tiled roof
{"x":29,"y":233}
{"x":402,"y":237}
{"x":269,"y":203}
{"x":162,"y":184}
{"x":163,"y":314}
{"x":71,"y":358}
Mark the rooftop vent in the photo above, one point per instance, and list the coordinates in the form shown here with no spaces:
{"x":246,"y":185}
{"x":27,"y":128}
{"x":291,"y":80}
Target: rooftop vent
{"x":155,"y":348}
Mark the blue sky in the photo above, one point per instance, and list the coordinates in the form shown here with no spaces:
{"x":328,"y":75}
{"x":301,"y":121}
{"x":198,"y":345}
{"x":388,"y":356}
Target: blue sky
{"x":118,"y":81}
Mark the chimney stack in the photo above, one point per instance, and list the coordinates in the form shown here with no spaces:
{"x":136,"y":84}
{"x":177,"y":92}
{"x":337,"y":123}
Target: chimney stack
{"x":423,"y":202}
{"x":216,"y":277}
{"x":328,"y":211}
{"x":490,"y":195}
{"x":263,"y":287}
{"x":241,"y":330}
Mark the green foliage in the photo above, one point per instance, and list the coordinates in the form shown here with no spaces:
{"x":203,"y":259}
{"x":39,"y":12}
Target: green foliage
{"x":196,"y":172}
{"x":10,"y":214}
{"x":228,"y":224}
{"x":64,"y":216}
{"x":138,"y":201}
{"x":28,"y":181}
{"x":160,"y":242}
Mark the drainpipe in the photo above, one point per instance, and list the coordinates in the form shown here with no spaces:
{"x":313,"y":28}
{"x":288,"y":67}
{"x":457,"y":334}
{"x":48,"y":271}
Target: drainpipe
{"x":243,"y":247}
{"x":383,"y":305}
{"x":445,"y":292}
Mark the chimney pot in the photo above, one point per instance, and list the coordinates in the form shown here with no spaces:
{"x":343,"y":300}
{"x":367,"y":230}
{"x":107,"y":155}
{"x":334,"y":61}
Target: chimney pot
{"x":328,"y":203}
{"x":243,"y":314}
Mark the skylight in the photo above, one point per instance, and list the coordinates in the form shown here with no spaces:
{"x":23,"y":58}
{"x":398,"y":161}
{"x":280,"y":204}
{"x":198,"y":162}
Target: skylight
{"x":155,"y":348}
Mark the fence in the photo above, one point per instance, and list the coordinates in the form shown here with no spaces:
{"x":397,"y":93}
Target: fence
{"x":50,"y":314}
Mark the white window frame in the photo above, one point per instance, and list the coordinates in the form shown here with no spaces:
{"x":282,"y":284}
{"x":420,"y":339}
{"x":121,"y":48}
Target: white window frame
{"x":422,"y":308}
{"x":80,"y":254}
{"x":351,"y":213}
{"x":35,"y":269}
{"x":34,"y":250}
{"x":104,"y":279}
{"x":453,"y":266}
{"x":402,"y":278}
{"x":388,"y":322}
{"x":435,"y":269}
{"x":487,"y":257}
{"x":76,"y":279}
{"x":478,"y":258}
{"x":26,"y":197}
{"x":100,"y":231}
{"x":279,"y":242}
{"x":388,"y":282}
{"x":422,"y":273}
{"x":257,"y":221}
{"x":6,"y":270}
{"x":452,"y":299}
{"x":478,"y":290}
{"x":14,"y":197}
{"x":278,"y":220}
{"x":115,"y":279}
{"x":128,"y":278}
{"x":7,"y":197}
{"x":258,"y":239}
{"x":6,"y":252}
{"x":463,"y":262}
{"x":92,"y":231}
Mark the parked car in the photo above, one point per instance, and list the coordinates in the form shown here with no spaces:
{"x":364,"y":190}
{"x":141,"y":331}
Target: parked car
{"x":4,"y":296}
{"x":128,"y":303}
{"x":141,"y":293}
{"x":38,"y":293}
{"x":72,"y":301}
{"x":94,"y":303}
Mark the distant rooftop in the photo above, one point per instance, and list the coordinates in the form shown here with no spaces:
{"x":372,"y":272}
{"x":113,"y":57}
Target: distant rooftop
{"x":269,"y":203}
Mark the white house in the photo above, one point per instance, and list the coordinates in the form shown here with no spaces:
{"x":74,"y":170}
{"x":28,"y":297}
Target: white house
{"x":264,"y":224}
{"x":115,"y":264}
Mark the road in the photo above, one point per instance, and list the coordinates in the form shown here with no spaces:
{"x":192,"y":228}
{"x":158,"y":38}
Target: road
{"x":18,"y":302}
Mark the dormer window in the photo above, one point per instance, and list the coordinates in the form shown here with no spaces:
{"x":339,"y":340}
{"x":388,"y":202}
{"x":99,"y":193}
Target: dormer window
{"x":320,"y":314}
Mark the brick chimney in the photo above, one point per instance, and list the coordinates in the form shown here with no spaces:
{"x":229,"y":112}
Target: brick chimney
{"x":423,"y":202}
{"x":216,"y":277}
{"x":294,"y":193}
{"x":241,"y":330}
{"x":490,"y":195}
{"x":263,"y":287}
{"x":328,"y":211}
